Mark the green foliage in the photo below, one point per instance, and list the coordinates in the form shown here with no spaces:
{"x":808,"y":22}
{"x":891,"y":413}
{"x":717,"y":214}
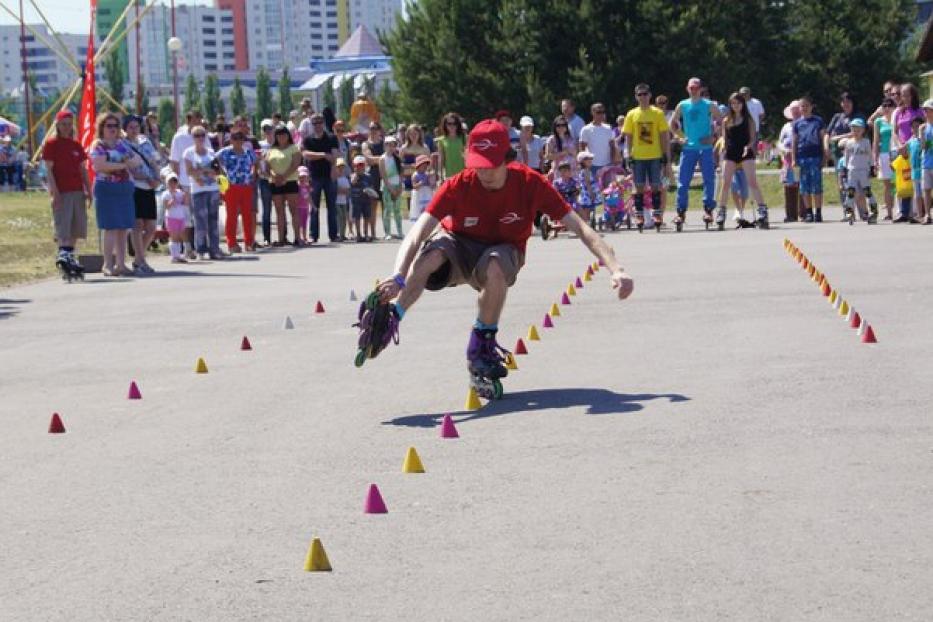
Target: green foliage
{"x":388,"y":103}
{"x":285,"y":94}
{"x":192,"y":95}
{"x":345,"y":97}
{"x":211,"y":102}
{"x":264,"y":103}
{"x":475,"y":56}
{"x":328,"y":96}
{"x":166,"y":115}
{"x":113,"y":71}
{"x":237,"y":99}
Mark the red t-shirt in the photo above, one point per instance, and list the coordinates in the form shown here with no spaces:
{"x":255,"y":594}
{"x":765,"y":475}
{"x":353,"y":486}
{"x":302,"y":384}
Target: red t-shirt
{"x":66,"y":156}
{"x":503,"y":216}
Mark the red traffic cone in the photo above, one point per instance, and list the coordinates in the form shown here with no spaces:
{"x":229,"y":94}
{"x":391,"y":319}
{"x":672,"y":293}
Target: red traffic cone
{"x":565,"y":299}
{"x":55,"y":425}
{"x":134,"y":393}
{"x":827,"y":290}
{"x":856,"y":321}
{"x":520,"y":347}
{"x":448,"y":429}
{"x":547,"y":323}
{"x":578,"y":284}
{"x":374,"y":503}
{"x":869,"y":336}
{"x":245,"y":344}
{"x":319,"y":308}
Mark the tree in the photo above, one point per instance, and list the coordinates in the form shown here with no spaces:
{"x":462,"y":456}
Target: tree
{"x":210,"y":97}
{"x":285,"y":94}
{"x":237,"y":100}
{"x":264,"y":102}
{"x":192,"y":95}
{"x":142,"y":98}
{"x":113,"y":71}
{"x":345,"y":98}
{"x":387,"y":101}
{"x":166,"y":115}
{"x":329,"y":97}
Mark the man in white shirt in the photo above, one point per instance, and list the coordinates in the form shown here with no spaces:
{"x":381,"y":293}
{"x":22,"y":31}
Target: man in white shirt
{"x":574,"y":122}
{"x":530,"y":145}
{"x":597,"y":138}
{"x":755,"y":107}
{"x":180,"y":142}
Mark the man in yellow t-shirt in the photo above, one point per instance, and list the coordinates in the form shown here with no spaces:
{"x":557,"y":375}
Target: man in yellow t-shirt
{"x":649,"y":139}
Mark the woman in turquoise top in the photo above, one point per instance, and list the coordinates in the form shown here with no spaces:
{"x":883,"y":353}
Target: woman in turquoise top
{"x":881,"y":145}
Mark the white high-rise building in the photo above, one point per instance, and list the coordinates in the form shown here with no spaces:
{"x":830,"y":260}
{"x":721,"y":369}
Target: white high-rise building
{"x":377,"y":15}
{"x":206,"y":35}
{"x":51,"y":72}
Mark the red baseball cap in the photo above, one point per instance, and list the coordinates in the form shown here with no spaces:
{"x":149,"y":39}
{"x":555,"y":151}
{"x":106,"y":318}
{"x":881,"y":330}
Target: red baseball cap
{"x":61,"y":115}
{"x":487,"y":145}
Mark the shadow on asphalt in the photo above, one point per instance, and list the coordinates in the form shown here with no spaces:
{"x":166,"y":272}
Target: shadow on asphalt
{"x":596,"y":401}
{"x":186,"y":273}
{"x":9,"y":307}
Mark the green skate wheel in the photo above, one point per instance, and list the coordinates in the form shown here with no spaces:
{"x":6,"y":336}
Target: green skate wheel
{"x":496,"y":389}
{"x":360,"y":358}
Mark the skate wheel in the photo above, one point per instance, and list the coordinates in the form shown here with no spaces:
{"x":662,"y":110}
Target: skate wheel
{"x":496,"y":389}
{"x":361,"y":357}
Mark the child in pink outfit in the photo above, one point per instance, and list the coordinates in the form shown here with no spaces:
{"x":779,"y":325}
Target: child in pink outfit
{"x":304,"y":203}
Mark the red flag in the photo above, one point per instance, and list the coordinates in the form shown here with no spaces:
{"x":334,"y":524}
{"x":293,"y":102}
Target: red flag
{"x":88,"y":110}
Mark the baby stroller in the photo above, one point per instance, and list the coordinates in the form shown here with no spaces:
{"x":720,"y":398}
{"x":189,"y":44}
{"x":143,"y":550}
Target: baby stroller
{"x":614,"y":181}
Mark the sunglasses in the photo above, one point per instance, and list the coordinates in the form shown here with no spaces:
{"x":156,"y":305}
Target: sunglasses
{"x":238,"y":137}
{"x":112,"y":126}
{"x":642,"y":94}
{"x":561,"y":125}
{"x":453,"y":123}
{"x":317,"y":123}
{"x":199,"y":135}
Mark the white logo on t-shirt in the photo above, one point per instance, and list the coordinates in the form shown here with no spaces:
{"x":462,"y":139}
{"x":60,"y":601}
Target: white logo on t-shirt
{"x":484,"y":144}
{"x":510,"y":218}
{"x":470,"y":221}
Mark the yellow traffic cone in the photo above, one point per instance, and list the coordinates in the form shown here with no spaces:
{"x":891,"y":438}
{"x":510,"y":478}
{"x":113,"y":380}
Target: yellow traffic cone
{"x":510,"y":364}
{"x":571,"y":291}
{"x":555,"y":310}
{"x":317,"y":561}
{"x":595,"y":266}
{"x":412,"y":462}
{"x":587,"y":277}
{"x":201,"y":366}
{"x":832,"y":297}
{"x":844,"y":309}
{"x":472,"y":403}
{"x":533,"y":333}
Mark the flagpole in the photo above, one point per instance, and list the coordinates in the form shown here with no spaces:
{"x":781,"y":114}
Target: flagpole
{"x":25,"y":67}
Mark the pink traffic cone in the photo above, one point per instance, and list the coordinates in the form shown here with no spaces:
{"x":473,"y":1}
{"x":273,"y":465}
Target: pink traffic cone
{"x":579,"y":283}
{"x":547,"y":323}
{"x":448,"y":429}
{"x":565,"y":299}
{"x":374,"y":503}
{"x":134,"y":393}
{"x":55,"y":425}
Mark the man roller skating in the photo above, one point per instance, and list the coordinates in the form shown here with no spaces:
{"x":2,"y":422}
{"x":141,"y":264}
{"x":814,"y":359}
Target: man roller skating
{"x":485,"y":215}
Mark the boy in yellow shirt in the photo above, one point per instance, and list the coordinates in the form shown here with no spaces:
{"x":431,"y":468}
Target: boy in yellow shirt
{"x":648,"y":135}
{"x":903,"y":184}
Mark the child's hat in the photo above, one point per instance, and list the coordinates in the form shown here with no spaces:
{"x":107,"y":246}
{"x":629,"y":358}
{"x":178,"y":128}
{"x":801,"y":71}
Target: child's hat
{"x":422,"y":159}
{"x":789,"y":110}
{"x":170,"y":177}
{"x":584,"y":155}
{"x":303,"y":171}
{"x":359,"y":160}
{"x":928,"y":104}
{"x":859,"y":122}
{"x":340,"y":162}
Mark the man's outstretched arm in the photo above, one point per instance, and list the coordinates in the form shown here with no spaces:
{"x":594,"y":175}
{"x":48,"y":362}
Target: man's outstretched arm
{"x":592,"y":240}
{"x":424,"y":226}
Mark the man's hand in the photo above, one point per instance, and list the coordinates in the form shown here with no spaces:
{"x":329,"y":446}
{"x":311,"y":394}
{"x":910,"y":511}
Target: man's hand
{"x":624,"y":283}
{"x":388,"y":289}
{"x":56,"y":201}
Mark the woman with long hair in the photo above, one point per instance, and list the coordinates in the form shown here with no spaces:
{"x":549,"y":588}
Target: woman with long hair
{"x":284,"y":158}
{"x":560,"y":146}
{"x":451,"y":146}
{"x":883,"y":131}
{"x":145,"y":179}
{"x":739,"y":153}
{"x":904,"y":115}
{"x":202,"y":168}
{"x":412,"y":147}
{"x":113,"y":160}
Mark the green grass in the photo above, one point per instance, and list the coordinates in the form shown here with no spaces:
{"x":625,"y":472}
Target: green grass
{"x":27,"y":250}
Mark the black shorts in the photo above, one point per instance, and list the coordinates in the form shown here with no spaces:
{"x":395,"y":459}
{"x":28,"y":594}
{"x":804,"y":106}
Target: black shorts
{"x":290,"y":187}
{"x":145,"y":201}
{"x":361,"y":209}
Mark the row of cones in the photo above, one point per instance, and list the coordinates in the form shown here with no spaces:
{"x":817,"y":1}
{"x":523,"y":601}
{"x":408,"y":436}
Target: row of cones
{"x":851,"y":316}
{"x":374,"y":503}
